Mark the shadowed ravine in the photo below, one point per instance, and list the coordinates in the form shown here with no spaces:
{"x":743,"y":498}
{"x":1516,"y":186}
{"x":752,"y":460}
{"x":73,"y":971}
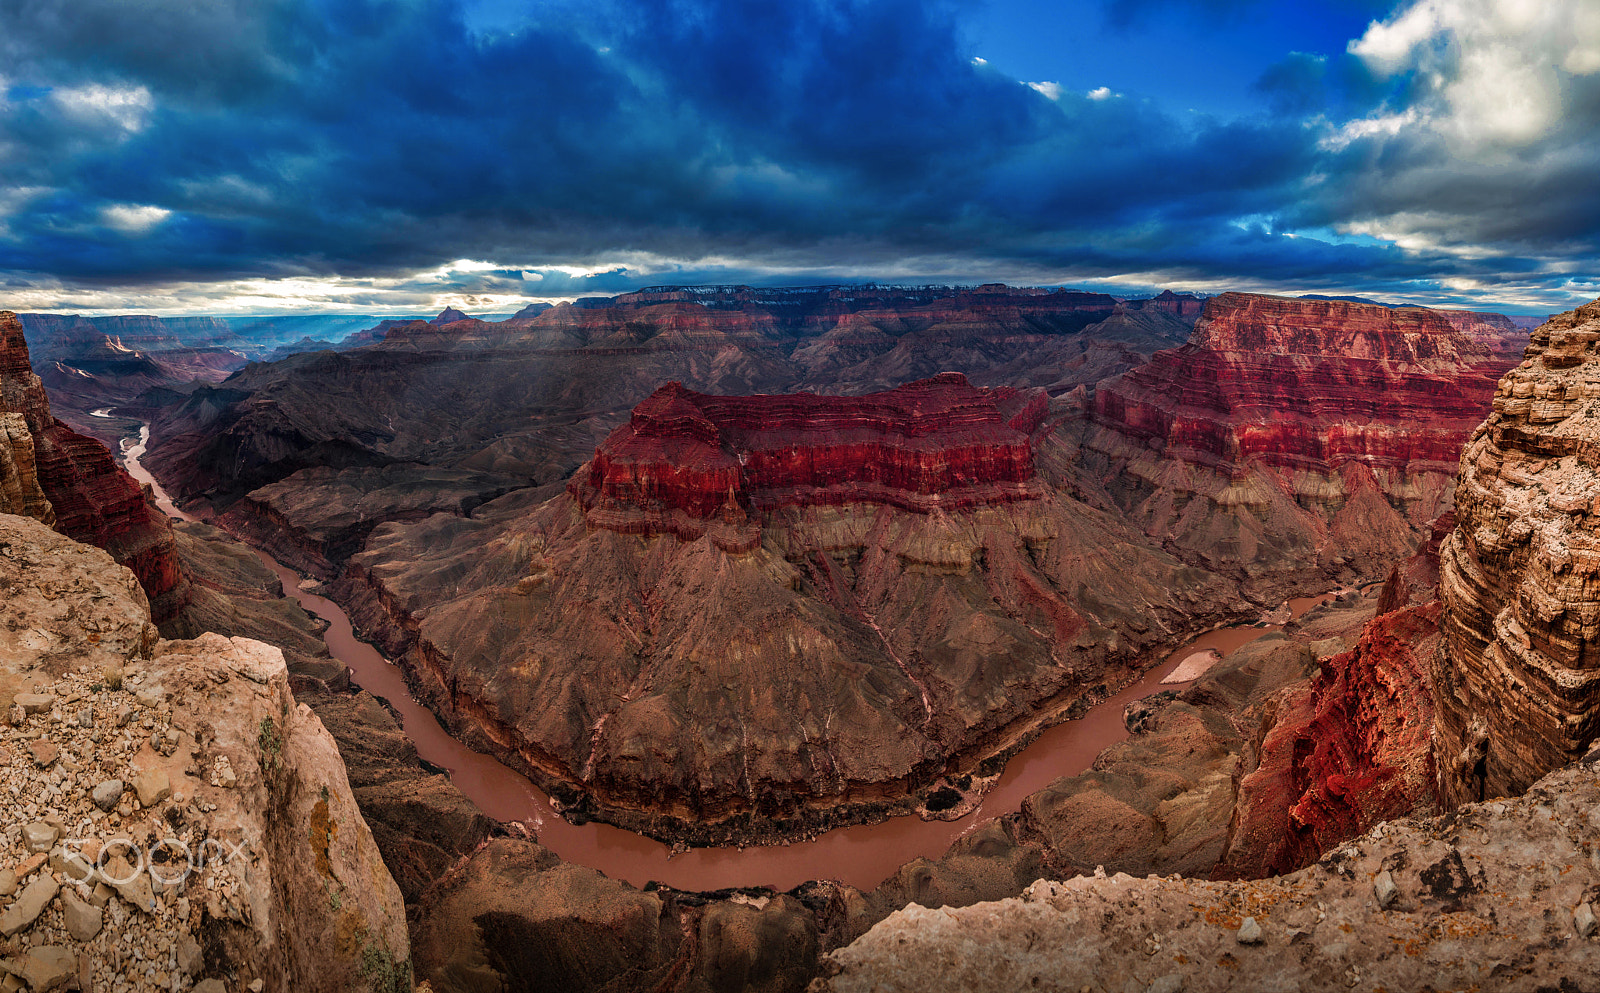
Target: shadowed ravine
{"x":861,"y":855}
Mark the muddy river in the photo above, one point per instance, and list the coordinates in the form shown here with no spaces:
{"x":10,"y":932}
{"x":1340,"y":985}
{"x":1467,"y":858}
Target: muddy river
{"x":861,"y":856}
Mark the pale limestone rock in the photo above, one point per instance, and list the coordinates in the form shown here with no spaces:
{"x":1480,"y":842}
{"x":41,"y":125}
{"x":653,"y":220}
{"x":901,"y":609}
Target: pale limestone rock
{"x":83,"y":920}
{"x":27,"y":907}
{"x":132,"y":884}
{"x":152,"y":786}
{"x":20,"y":492}
{"x":1384,"y":889}
{"x":35,"y":703}
{"x":44,"y":752}
{"x":1516,"y":682}
{"x":294,"y":883}
{"x":39,"y":836}
{"x":48,"y":967}
{"x":1583,"y":920}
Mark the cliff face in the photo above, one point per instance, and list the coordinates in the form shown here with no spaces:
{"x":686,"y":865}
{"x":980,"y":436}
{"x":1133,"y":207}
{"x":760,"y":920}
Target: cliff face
{"x":1347,"y":749}
{"x":1290,"y":434}
{"x":1496,"y":332}
{"x":688,"y":463}
{"x":1518,"y":680}
{"x":88,"y":495}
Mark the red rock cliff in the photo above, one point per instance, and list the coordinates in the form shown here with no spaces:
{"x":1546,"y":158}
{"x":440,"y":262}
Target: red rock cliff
{"x":1303,"y":383}
{"x":89,"y":497}
{"x":688,"y":462}
{"x":1352,"y":746}
{"x":1290,"y":434}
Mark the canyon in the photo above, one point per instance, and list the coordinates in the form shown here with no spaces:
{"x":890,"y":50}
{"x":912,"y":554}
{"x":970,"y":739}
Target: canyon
{"x":1471,"y":684}
{"x":840,"y":591}
{"x":788,"y":612}
{"x":567,"y":376}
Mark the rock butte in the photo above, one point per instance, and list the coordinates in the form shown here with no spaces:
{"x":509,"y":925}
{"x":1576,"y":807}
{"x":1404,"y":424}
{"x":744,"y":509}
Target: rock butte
{"x":688,"y":463}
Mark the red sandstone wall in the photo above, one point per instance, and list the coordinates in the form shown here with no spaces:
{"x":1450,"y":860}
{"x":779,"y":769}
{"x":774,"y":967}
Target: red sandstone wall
{"x":688,"y":456}
{"x":1308,"y":384}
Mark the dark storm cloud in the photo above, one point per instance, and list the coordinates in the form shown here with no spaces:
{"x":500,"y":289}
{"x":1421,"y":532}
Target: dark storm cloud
{"x":368,"y":138}
{"x":1297,"y":85}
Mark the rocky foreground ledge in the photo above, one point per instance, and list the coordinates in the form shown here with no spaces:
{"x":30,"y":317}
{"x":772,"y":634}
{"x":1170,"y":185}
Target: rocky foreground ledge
{"x":1495,"y":896}
{"x":170,"y":819}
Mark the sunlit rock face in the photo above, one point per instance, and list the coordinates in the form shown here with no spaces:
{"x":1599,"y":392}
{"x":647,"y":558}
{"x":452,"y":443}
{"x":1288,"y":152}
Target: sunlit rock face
{"x":1290,"y":438}
{"x":86,"y":495}
{"x":1518,"y":679}
{"x":690,"y":464}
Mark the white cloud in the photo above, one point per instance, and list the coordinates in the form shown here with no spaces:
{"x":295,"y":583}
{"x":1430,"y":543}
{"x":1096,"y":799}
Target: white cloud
{"x":1492,"y":69}
{"x":1050,"y":89}
{"x":14,"y":198}
{"x":1100,"y":93}
{"x":133,"y":218}
{"x":125,"y":107}
{"x":449,"y":269}
{"x":1387,"y":125}
{"x":1414,"y":232}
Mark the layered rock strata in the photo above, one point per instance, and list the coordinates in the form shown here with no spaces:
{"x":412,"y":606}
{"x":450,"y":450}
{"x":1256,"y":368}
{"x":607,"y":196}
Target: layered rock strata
{"x":1288,"y":437}
{"x":316,"y":519}
{"x":1496,"y":332}
{"x":534,"y":395}
{"x":88,"y":496}
{"x":1517,"y":683}
{"x":690,"y":464}
{"x":122,"y":754}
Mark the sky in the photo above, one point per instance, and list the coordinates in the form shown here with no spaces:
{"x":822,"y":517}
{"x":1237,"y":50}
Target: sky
{"x":396,"y":156}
